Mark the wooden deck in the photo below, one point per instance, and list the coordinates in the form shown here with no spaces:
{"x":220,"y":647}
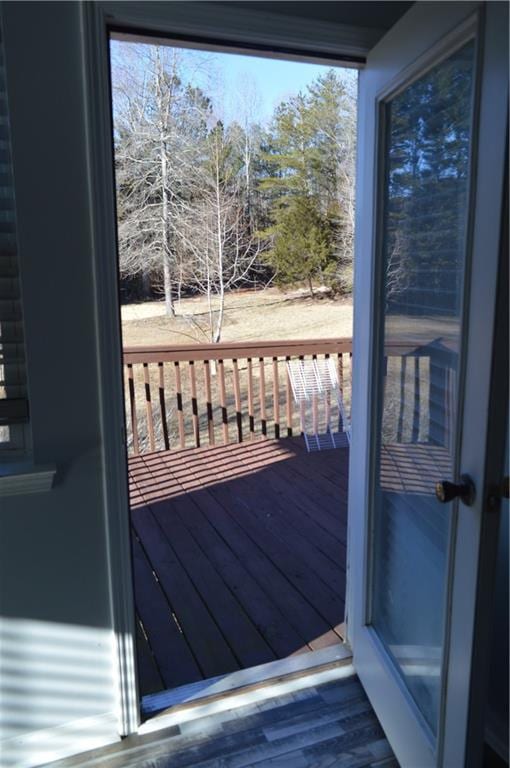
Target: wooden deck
{"x":239,"y":556}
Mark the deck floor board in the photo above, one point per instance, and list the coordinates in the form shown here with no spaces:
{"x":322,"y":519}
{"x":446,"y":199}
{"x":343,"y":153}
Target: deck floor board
{"x":199,"y":628}
{"x":245,"y":545}
{"x":167,"y":644}
{"x":272,"y":624}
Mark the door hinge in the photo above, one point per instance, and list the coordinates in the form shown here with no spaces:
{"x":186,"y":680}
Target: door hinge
{"x":498,"y":492}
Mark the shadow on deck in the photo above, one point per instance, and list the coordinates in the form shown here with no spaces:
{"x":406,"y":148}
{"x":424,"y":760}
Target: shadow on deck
{"x":239,"y":557}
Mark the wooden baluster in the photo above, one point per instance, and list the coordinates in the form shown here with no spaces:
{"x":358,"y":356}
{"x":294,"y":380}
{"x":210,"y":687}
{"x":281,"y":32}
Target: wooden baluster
{"x":327,"y":414}
{"x":386,"y":372}
{"x":350,"y":373}
{"x":162,"y":405}
{"x":341,"y":373}
{"x":148,"y":406}
{"x":132,"y":406}
{"x":438,"y":387}
{"x":400,"y":423}
{"x":180,"y":413}
{"x":262,"y":396}
{"x":276,"y":398}
{"x":251,"y":415}
{"x":237,"y":395}
{"x":194,"y":403}
{"x":451,"y":388}
{"x":417,"y":404}
{"x":289,"y":399}
{"x":223,"y":401}
{"x":208,"y":397}
{"x":341,"y":425}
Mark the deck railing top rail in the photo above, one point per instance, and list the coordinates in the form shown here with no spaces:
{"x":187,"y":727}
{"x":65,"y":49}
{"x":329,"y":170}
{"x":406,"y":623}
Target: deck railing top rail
{"x":232,"y":350}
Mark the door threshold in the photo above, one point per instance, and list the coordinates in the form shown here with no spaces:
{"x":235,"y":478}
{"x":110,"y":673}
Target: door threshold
{"x":246,"y":686}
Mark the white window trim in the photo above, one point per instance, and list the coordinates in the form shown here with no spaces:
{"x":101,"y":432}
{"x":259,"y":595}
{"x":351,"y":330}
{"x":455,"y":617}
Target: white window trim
{"x":19,"y":478}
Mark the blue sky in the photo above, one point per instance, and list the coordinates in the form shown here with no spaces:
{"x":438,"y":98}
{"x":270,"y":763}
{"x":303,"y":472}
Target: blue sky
{"x":234,"y":78}
{"x":274,"y":79}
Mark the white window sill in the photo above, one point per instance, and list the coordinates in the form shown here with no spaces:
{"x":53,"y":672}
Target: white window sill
{"x":20,"y":478}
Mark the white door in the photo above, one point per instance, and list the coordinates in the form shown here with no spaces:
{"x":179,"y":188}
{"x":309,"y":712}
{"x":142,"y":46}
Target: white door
{"x":432,"y":117}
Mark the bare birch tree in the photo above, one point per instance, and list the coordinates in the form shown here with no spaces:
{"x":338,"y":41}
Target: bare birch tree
{"x":222,"y":250}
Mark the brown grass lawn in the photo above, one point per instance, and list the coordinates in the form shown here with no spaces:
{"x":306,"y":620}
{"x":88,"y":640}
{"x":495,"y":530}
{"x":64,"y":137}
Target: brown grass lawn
{"x":265,"y":315}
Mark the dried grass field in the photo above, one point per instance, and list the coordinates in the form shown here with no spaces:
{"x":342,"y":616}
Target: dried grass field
{"x":249,"y":315}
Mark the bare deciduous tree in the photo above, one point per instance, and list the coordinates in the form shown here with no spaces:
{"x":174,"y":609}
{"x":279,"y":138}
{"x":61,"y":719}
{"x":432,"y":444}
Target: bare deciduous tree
{"x":397,"y":270}
{"x":158,"y":119}
{"x":222,"y":250}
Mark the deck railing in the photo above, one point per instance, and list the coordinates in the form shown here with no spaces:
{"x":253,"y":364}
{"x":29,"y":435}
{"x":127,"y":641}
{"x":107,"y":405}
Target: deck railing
{"x":202,"y":394}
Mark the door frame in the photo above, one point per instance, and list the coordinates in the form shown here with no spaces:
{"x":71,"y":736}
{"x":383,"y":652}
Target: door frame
{"x":197,"y":24}
{"x":485,"y":234}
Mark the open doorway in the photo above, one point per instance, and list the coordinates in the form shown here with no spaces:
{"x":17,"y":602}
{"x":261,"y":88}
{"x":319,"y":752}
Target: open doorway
{"x":235,"y":202}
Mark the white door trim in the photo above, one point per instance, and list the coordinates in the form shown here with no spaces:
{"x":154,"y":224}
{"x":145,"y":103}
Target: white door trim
{"x":241,"y":30}
{"x":302,"y":38}
{"x":109,"y":350}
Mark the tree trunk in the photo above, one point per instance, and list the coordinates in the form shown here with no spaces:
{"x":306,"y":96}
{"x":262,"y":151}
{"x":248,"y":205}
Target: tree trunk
{"x":310,"y":288}
{"x":167,"y":283}
{"x":146,"y":284}
{"x":219,"y":322}
{"x":167,"y":273}
{"x":221,"y":292}
{"x":247,"y":168}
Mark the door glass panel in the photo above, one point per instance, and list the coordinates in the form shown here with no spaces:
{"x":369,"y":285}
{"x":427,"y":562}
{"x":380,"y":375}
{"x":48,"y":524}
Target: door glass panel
{"x":428,"y":129}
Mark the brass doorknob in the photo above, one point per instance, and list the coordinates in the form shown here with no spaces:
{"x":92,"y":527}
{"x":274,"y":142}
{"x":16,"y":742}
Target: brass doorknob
{"x":465,"y":490}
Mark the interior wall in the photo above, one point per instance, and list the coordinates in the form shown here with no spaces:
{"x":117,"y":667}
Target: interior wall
{"x":57,"y":649}
{"x":372,"y":14}
{"x":58,"y":660}
{"x":56,"y":643}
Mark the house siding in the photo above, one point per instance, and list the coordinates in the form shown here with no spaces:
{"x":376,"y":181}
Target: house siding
{"x":57,"y":642}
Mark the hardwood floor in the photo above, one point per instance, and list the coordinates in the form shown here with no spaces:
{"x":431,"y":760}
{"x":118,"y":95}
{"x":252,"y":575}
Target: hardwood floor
{"x":239,"y":556}
{"x":326,"y":726}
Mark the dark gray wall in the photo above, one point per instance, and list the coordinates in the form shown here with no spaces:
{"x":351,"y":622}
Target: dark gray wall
{"x":375,"y":15}
{"x":55,"y":604}
{"x":497,"y":704}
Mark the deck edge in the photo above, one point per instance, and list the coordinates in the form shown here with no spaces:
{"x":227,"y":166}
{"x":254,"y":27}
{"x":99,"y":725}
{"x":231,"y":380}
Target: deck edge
{"x":204,"y":693}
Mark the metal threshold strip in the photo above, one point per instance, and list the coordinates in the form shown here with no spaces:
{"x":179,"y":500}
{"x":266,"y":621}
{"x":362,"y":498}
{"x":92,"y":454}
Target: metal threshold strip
{"x":206,"y":697}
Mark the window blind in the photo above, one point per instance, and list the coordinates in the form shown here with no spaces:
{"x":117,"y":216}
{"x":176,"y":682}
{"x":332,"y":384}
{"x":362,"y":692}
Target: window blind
{"x":13,"y":389}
